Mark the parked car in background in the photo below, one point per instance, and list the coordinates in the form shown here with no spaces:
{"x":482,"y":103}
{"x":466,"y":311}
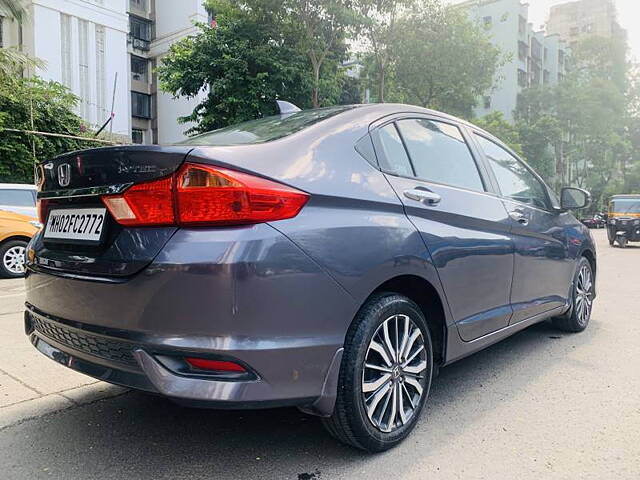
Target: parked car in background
{"x":595,"y":221}
{"x":15,"y":232}
{"x":330,"y":259}
{"x":18,"y":198}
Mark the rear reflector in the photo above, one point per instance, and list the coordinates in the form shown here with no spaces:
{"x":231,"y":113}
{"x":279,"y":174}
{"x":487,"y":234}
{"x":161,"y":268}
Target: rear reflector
{"x":215,"y":365}
{"x":199,"y":195}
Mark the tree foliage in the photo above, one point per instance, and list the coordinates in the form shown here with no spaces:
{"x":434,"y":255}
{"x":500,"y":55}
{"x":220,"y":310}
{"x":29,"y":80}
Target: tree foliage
{"x":51,"y":106}
{"x":444,"y":61}
{"x":581,"y":126}
{"x":254,"y":56}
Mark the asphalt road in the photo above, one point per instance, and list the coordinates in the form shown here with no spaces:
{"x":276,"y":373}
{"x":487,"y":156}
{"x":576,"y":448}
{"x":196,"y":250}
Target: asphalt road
{"x":540,"y":405}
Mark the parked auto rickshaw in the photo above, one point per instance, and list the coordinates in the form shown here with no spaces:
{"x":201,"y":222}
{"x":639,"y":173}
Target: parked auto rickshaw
{"x":623,"y":224}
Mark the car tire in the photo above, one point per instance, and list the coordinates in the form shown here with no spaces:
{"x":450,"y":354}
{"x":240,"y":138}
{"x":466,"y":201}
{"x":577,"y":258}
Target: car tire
{"x":8,"y":252}
{"x":371,"y":413}
{"x":577,"y":318}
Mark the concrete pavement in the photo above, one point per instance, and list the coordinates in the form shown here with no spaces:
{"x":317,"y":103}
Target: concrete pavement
{"x":541,"y":404}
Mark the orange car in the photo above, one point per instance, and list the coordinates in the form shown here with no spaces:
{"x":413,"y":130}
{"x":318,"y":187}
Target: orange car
{"x":15,"y":232}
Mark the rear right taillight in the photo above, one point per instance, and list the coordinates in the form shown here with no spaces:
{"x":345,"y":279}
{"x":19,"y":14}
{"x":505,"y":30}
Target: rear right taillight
{"x":203,"y":195}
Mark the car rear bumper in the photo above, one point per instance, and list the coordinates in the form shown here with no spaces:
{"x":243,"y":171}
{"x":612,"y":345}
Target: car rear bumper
{"x":240,"y":294}
{"x":124,"y":358}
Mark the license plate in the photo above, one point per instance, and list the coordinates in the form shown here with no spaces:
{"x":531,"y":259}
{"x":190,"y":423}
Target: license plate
{"x":75,"y":225}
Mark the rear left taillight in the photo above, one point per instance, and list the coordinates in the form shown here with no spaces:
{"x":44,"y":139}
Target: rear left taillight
{"x":202,"y":195}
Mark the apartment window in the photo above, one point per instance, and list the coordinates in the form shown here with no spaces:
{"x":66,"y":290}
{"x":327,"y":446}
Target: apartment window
{"x":523,"y":50}
{"x":139,"y":69}
{"x":487,"y":22}
{"x":546,"y":77}
{"x":139,"y":33}
{"x":140,"y":28}
{"x":522,"y":25}
{"x":546,"y":53}
{"x":522,"y":78}
{"x":140,"y":5}
{"x":137,"y":136}
{"x":140,"y":105}
{"x":101,"y":81}
{"x":588,"y":28}
{"x":65,"y":34}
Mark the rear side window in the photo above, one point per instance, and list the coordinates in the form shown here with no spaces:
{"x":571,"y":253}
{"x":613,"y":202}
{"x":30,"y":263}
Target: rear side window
{"x":514,"y":178}
{"x":440,"y":154}
{"x":395,"y":159}
{"x":17,"y":198}
{"x":264,"y":129}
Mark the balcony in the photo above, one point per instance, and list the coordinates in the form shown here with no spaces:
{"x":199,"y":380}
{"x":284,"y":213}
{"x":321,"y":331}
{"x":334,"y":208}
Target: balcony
{"x":139,"y":43}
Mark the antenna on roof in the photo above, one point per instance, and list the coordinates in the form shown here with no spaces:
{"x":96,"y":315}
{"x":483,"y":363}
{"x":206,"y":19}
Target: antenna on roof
{"x":287,"y":108}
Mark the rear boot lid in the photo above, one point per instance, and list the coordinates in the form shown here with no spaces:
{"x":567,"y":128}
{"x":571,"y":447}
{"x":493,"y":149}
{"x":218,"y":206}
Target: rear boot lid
{"x":77,"y":181}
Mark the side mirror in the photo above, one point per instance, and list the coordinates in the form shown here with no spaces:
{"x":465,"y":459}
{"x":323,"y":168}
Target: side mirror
{"x":574,"y":198}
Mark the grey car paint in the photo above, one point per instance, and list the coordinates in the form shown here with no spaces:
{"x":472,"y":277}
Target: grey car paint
{"x":280,"y":297}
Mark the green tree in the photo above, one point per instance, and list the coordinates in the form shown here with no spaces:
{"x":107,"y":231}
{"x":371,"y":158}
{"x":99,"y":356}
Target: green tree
{"x":33,"y":104}
{"x":444,"y":61}
{"x":255,"y":55}
{"x":324,"y":26}
{"x":584,"y":121}
{"x":378,"y":22}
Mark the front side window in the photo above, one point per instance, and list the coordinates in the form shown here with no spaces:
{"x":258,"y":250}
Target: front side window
{"x":17,"y":198}
{"x":440,"y":154}
{"x":514,"y":179}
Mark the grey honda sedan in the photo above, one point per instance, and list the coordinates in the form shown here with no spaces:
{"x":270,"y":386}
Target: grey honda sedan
{"x":331,"y":259}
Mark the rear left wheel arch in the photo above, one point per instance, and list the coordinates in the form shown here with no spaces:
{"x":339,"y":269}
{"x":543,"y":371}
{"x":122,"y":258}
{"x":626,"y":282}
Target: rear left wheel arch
{"x":425,"y":295}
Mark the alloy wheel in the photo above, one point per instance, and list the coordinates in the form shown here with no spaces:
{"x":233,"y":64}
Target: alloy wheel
{"x":13,"y":259}
{"x":394,"y":374}
{"x":584,"y":295}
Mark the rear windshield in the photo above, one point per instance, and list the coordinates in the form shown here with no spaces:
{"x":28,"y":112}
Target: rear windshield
{"x":625,"y":205}
{"x":17,"y":198}
{"x":264,"y":129}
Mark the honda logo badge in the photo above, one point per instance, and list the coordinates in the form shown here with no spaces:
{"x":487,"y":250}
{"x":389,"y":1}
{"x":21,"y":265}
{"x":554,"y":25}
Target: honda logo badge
{"x":64,"y":174}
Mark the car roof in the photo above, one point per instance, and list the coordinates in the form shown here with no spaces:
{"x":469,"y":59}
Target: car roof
{"x":17,"y":186}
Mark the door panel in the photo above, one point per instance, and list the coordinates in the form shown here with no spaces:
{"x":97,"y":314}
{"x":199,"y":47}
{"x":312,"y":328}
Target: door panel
{"x":543,"y":268}
{"x":465,"y":229}
{"x":467,"y":235}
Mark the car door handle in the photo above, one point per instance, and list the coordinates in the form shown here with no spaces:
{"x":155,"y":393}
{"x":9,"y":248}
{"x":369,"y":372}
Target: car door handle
{"x":519,"y":217}
{"x":424,"y":196}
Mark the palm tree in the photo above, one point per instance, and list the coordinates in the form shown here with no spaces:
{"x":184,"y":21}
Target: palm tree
{"x":14,"y":9}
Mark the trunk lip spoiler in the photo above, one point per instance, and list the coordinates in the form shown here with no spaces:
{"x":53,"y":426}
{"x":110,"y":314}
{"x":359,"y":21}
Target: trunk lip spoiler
{"x":86,"y":192}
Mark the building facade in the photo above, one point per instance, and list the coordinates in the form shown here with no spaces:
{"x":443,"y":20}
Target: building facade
{"x":105,"y":52}
{"x":532,"y":57}
{"x":574,"y":21}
